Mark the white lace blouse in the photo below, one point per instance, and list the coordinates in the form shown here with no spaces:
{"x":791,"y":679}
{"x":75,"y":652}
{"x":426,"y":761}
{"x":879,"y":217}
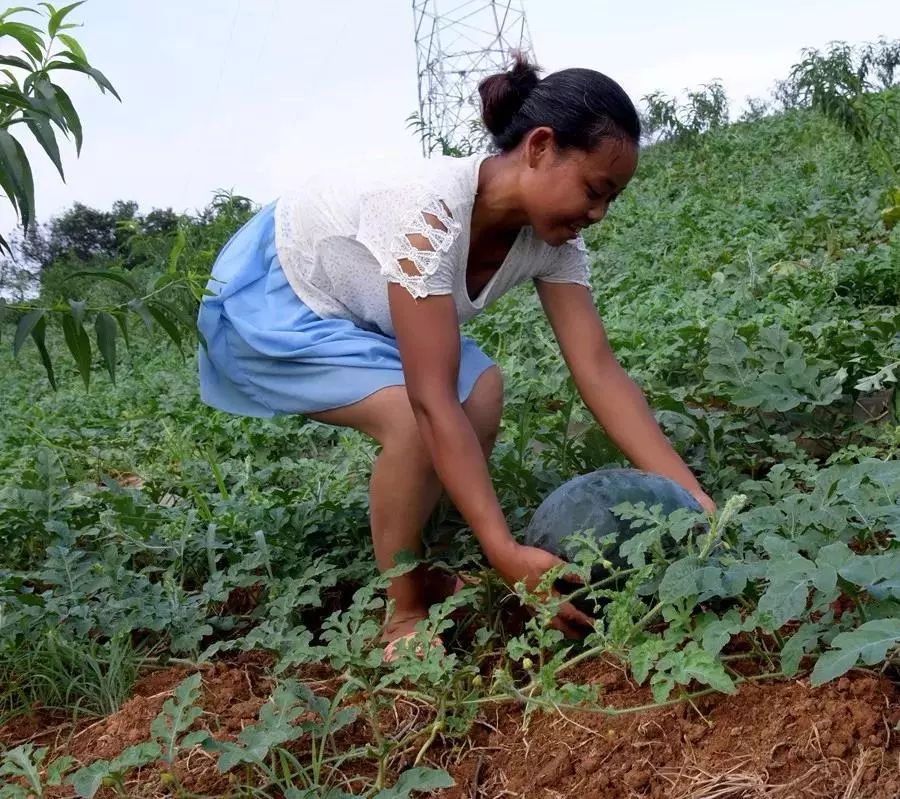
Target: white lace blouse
{"x":340,"y":239}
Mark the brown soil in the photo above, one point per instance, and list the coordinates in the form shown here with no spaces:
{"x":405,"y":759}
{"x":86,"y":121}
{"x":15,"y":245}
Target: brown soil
{"x":770,"y":741}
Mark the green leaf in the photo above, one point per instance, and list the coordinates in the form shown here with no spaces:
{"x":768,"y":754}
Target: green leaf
{"x":16,"y":10}
{"x":727,"y":356}
{"x":23,"y":762}
{"x":135,"y":756}
{"x":877,"y":574}
{"x":693,"y":663}
{"x":86,"y":781}
{"x":175,"y":252}
{"x":661,"y":686}
{"x":46,"y":102}
{"x":680,"y":580}
{"x":870,"y":643}
{"x":188,"y":323}
{"x":833,"y":664}
{"x":15,"y":61}
{"x":769,"y":392}
{"x":417,"y":779}
{"x":58,"y":768}
{"x":85,"y":69}
{"x":38,"y":334}
{"x":161,"y":313}
{"x":642,"y":657}
{"x":177,"y":715}
{"x":787,"y":592}
{"x":799,"y":644}
{"x":70,"y":115}
{"x":106,"y":274}
{"x":195,"y":738}
{"x":57,"y":18}
{"x":78,"y":307}
{"x":717,"y":633}
{"x":27,"y":35}
{"x":18,"y":100}
{"x":106,"y":328}
{"x":102,"y":82}
{"x":73,"y":45}
{"x":43,"y":132}
{"x":13,"y":81}
{"x":122,"y":319}
{"x":16,"y":178}
{"x":25,"y":326}
{"x":275,"y":727}
{"x":836,"y":555}
{"x":137,"y":305}
{"x":79,"y":345}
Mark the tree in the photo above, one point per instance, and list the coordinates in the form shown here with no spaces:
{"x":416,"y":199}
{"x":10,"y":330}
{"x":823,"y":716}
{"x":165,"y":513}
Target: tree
{"x":37,"y":101}
{"x":20,"y":267}
{"x":31,"y":97}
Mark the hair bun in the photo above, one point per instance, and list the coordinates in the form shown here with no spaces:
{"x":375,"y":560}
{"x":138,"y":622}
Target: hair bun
{"x":502,"y":95}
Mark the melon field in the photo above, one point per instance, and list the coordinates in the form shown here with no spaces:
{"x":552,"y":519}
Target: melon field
{"x":189,"y":605}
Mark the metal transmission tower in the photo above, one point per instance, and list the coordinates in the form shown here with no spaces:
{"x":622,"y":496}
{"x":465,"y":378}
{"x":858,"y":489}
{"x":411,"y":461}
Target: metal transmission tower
{"x":457,"y":46}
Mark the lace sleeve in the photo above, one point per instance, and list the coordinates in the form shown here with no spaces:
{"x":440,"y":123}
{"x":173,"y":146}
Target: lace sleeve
{"x":570,"y":264}
{"x":413,"y":239}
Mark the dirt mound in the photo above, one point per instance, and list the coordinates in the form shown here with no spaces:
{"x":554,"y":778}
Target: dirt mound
{"x":771,"y":740}
{"x":232,"y":695}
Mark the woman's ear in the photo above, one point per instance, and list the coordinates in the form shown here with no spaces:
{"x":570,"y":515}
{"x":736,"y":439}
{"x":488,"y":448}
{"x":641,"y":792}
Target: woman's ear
{"x":540,"y":146}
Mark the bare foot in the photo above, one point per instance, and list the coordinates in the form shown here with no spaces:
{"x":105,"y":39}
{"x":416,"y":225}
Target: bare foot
{"x":402,"y":623}
{"x":401,"y":627}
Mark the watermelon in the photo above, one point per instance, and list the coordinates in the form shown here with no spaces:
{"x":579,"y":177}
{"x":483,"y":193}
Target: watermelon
{"x":583,"y":505}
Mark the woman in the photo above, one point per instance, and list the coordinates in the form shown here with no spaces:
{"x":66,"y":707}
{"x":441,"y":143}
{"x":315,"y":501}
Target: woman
{"x":343,"y":300}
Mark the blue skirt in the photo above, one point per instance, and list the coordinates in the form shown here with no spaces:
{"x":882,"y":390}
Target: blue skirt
{"x":267,"y":353}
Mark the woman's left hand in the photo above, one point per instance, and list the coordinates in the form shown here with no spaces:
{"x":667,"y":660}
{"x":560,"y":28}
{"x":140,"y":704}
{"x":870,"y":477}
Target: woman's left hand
{"x":705,"y":501}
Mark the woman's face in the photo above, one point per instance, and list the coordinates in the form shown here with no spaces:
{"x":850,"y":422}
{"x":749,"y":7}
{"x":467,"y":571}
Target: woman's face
{"x":566,"y":190}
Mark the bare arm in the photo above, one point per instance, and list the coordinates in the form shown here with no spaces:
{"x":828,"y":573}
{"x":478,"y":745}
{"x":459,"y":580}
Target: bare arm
{"x":612,"y":396}
{"x":427,"y":333}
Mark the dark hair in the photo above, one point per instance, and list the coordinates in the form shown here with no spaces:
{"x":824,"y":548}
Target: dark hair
{"x":581,"y":105}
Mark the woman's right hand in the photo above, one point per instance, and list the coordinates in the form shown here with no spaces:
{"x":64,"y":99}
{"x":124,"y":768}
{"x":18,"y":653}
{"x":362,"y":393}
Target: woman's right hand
{"x":518,"y":562}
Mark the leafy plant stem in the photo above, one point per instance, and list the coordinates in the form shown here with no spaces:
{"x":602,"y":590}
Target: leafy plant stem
{"x":436,"y":726}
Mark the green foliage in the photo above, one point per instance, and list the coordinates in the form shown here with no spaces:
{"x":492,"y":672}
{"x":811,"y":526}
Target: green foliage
{"x":35,"y":100}
{"x":65,"y":671}
{"x":417,"y":780}
{"x":773,"y":374}
{"x":167,"y":730}
{"x":169,"y":295}
{"x":870,"y":643}
{"x":162,"y":293}
{"x":89,"y":779}
{"x":177,"y":715}
{"x":475,"y":139}
{"x":26,"y":763}
{"x":747,"y":282}
{"x":851,"y":86}
{"x":703,"y":110}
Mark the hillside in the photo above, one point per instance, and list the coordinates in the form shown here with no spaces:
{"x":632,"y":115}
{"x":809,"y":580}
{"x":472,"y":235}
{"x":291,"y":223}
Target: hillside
{"x":748,"y":284}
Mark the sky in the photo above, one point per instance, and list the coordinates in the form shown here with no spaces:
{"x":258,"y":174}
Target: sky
{"x":246,"y":95}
